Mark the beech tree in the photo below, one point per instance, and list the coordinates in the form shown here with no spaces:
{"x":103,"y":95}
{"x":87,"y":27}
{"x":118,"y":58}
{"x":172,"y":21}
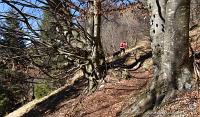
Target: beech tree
{"x":95,"y":70}
{"x":170,"y":44}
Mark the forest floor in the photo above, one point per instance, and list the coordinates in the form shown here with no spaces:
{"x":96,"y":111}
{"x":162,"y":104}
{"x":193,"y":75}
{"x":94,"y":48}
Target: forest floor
{"x":107,"y":101}
{"x":113,"y":95}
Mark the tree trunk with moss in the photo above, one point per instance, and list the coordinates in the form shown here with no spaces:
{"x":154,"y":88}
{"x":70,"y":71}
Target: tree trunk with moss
{"x":170,"y":44}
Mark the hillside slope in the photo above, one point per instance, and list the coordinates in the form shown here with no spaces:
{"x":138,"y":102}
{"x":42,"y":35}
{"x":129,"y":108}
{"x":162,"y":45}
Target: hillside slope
{"x":107,"y":101}
{"x":117,"y":93}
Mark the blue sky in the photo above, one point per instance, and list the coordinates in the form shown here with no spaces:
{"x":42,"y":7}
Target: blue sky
{"x":35,"y":12}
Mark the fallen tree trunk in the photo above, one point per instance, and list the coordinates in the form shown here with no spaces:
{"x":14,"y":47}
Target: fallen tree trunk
{"x":38,"y":106}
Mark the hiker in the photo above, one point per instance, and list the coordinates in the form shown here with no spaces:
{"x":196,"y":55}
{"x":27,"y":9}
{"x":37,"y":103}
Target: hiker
{"x":116,"y":53}
{"x":123,"y":46}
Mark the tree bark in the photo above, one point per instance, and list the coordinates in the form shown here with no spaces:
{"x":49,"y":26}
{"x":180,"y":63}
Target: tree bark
{"x":170,"y":43}
{"x":157,"y":22}
{"x":98,"y":50}
{"x":96,"y":59}
{"x":176,"y":63}
{"x":90,"y":19}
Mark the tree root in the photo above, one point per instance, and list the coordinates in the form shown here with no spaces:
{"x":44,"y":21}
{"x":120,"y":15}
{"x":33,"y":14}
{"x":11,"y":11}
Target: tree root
{"x":145,"y":103}
{"x":139,"y":106}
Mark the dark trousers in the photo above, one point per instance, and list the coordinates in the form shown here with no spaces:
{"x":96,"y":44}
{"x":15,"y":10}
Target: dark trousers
{"x":122,"y":50}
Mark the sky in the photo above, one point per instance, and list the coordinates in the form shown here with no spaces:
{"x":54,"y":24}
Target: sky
{"x":35,"y":12}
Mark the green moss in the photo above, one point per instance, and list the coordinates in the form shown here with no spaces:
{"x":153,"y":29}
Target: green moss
{"x":41,"y":90}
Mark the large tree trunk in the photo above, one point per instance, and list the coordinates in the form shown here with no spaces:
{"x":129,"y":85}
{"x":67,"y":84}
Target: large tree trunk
{"x":157,"y":22}
{"x":195,"y":13}
{"x":98,"y":50}
{"x":176,"y":64}
{"x":89,"y":68}
{"x":90,"y":19}
{"x":170,"y":44}
{"x":96,"y":59}
{"x":175,"y":70}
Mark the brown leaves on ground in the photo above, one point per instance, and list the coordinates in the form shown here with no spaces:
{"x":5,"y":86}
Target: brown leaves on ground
{"x":111,"y":96}
{"x":185,"y":104}
{"x":107,"y":101}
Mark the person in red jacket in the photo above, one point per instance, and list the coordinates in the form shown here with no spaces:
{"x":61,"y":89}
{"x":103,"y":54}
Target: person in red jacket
{"x":122,"y":47}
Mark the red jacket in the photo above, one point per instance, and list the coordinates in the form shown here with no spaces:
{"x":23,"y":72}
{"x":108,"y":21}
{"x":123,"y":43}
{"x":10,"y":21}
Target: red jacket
{"x":123,"y":45}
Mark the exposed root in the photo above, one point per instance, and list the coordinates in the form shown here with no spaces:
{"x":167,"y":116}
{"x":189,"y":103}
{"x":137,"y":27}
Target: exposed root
{"x":140,"y":105}
{"x":146,"y":102}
